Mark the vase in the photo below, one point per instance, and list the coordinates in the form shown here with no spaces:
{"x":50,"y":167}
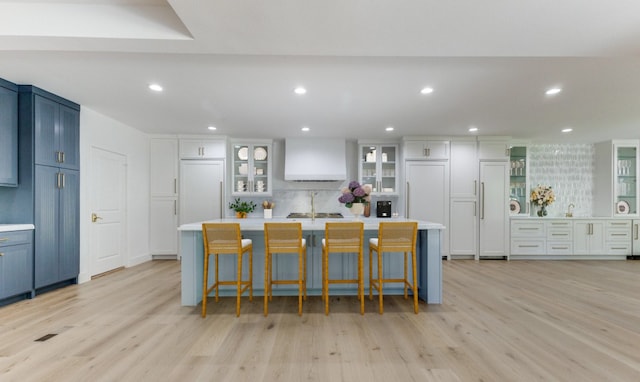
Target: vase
{"x":241,"y":214}
{"x":357,"y":209}
{"x":542,"y":212}
{"x":367,"y":210}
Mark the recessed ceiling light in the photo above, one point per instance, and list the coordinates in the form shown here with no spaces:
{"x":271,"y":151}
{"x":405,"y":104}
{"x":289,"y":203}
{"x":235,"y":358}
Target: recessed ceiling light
{"x":473,"y":129}
{"x":567,"y":130}
{"x":389,"y":128}
{"x":426,"y":90}
{"x":155,"y":87}
{"x":300,"y":90}
{"x":212,"y":128}
{"x":553,"y":91}
{"x":305,"y":129}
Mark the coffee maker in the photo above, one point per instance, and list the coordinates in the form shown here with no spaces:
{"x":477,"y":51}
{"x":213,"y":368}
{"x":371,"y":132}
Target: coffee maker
{"x":383,"y":208}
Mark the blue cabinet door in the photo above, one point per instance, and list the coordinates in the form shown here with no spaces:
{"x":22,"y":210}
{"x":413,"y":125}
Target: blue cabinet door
{"x":57,"y":134}
{"x":69,"y":223}
{"x":8,"y":137}
{"x":47,"y":212}
{"x":15,"y":270}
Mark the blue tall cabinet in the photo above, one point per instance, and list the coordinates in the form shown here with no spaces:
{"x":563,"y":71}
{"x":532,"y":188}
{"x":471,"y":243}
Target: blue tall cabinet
{"x":8,"y":134}
{"x":49,"y":161}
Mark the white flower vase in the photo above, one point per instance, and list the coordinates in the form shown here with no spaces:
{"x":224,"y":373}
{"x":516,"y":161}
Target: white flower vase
{"x":357,"y":209}
{"x":268,"y":213}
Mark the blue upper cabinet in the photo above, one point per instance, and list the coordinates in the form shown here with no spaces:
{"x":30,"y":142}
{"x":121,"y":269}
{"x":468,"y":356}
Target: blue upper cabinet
{"x":8,"y":134}
{"x":57,"y":133}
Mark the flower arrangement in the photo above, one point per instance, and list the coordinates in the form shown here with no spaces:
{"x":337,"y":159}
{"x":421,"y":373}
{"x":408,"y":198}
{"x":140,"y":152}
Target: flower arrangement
{"x":355,"y":193}
{"x":542,"y":196}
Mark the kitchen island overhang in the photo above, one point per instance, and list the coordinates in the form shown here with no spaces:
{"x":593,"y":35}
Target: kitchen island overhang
{"x":429,"y":258}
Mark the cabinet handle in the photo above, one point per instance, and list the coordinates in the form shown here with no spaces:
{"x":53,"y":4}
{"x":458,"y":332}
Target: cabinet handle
{"x":559,"y":247}
{"x":474,"y":209}
{"x":175,"y":185}
{"x":57,"y":156}
{"x":175,"y":207}
{"x":590,"y":228}
{"x":528,"y":229}
{"x":1,"y":254}
{"x":428,"y":152}
{"x":221,"y":198}
{"x":618,"y":248}
{"x":58,"y":180}
{"x":636,"y":233}
{"x":507,"y":152}
{"x":558,"y":234}
{"x":61,"y":156}
{"x":64,"y":178}
{"x":482,"y":200}
{"x":528,"y":246}
{"x":3,"y":239}
{"x":618,"y":234}
{"x":614,"y":223}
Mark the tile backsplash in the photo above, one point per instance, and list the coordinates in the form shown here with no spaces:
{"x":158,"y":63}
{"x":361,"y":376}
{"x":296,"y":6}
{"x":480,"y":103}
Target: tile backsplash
{"x":569,"y":169}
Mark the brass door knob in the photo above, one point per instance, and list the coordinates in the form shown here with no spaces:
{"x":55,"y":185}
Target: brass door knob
{"x":94,"y":217}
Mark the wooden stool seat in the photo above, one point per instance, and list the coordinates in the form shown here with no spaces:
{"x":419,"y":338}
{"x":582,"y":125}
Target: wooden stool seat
{"x":225,"y":239}
{"x":342,"y":238}
{"x":284,"y":238}
{"x":394,"y":237}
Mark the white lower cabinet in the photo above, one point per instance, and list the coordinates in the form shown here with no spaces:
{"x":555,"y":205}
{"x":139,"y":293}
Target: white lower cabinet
{"x":635,"y":238}
{"x":463,"y":225}
{"x":572,"y":238}
{"x":163,"y":226}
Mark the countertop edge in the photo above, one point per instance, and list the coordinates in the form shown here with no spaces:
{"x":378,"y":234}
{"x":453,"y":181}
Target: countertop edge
{"x":16,"y":227}
{"x":257,"y":224}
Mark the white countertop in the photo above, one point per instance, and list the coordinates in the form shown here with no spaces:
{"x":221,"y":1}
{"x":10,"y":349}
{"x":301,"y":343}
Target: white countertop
{"x":257,"y":224}
{"x":16,"y":227}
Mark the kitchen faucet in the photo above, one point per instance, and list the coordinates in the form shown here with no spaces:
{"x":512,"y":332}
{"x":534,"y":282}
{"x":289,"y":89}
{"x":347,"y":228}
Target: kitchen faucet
{"x":569,"y":213}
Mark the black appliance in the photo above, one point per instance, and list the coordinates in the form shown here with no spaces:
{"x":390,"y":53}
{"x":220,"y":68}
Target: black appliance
{"x":383,"y":208}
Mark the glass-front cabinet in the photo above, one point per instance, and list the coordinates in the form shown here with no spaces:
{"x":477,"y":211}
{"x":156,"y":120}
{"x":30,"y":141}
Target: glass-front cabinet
{"x":625,"y":179}
{"x":251,"y":168}
{"x":378,"y":168}
{"x":518,"y":183}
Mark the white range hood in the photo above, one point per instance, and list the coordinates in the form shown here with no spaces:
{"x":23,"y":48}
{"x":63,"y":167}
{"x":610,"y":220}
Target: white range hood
{"x":315,"y":160}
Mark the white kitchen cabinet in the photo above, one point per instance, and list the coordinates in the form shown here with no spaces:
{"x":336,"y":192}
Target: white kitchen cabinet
{"x":427,"y":194}
{"x":193,"y":148}
{"x":163,"y":189}
{"x":251,"y":168}
{"x":463,"y":217}
{"x":588,"y":237}
{"x":618,"y":237}
{"x":201,"y":190}
{"x":518,"y":181}
{"x":528,"y":237}
{"x":559,"y":237}
{"x":493,"y":149}
{"x":378,"y":167}
{"x":616,"y":176}
{"x":426,"y":149}
{"x":493,"y":210}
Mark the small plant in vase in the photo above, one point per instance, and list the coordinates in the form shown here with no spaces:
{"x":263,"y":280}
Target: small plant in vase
{"x":355,"y":197}
{"x":542,"y":196}
{"x":242,"y":208}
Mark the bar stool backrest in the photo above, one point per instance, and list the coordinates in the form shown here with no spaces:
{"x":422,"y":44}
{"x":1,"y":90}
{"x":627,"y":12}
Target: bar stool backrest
{"x":344,"y":237}
{"x":222,"y":237}
{"x":283,"y":237}
{"x":397,"y":236}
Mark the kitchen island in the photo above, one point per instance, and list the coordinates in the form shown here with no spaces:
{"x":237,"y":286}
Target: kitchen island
{"x":429,"y":259}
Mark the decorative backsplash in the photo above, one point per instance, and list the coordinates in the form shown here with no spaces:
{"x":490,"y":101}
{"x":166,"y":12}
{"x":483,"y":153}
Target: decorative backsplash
{"x":569,"y":169}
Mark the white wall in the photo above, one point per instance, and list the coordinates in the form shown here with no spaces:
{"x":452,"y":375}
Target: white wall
{"x":96,"y":130}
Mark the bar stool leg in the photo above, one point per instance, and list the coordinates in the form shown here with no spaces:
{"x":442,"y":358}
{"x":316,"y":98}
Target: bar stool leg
{"x":300,"y":276}
{"x":239,"y":284}
{"x":380,"y":282}
{"x":216,"y":286}
{"x":204,"y":285}
{"x":325,"y":281}
{"x":370,"y":274}
{"x":361,"y":281}
{"x":266,"y":283}
{"x":250,"y":274}
{"x":415,"y":284}
{"x":405,"y":276}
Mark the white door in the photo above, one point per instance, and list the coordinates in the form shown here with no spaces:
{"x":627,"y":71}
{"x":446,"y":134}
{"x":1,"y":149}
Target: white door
{"x":493,"y":209}
{"x":201,"y":190}
{"x":108,"y":208}
{"x":427,"y":193}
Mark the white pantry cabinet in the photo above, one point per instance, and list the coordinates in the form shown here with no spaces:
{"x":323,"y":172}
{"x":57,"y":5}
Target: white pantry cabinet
{"x":427,"y":194}
{"x":463,"y":217}
{"x":378,"y":166}
{"x":493,"y":210}
{"x":201,"y":190}
{"x":163,"y":189}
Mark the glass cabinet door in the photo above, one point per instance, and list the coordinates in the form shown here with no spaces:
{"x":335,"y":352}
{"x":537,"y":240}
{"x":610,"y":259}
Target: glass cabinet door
{"x":378,"y":168}
{"x":251,"y":169}
{"x":625,"y":175}
{"x":518,"y":189}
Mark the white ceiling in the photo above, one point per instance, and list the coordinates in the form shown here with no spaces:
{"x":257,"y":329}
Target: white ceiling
{"x":234,"y":64}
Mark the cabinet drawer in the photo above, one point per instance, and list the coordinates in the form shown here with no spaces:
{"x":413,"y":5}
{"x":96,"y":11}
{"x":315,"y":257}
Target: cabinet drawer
{"x":559,"y":248}
{"x":14,"y":238}
{"x":560,"y":234}
{"x":618,"y":234}
{"x":527,"y":229}
{"x":527,"y":247}
{"x":618,"y":249}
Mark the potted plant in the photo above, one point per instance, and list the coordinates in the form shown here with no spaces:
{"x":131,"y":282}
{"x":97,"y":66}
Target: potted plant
{"x":242,"y":208}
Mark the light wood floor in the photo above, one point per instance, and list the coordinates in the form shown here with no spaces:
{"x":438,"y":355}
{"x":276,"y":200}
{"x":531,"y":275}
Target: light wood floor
{"x":500,"y":321}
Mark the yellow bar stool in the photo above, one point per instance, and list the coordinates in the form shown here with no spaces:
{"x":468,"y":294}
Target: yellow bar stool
{"x":284,"y":238}
{"x":394,"y":237}
{"x":342,"y":238}
{"x":225,"y":239}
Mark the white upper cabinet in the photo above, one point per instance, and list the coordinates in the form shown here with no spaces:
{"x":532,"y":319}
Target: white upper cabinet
{"x":464,"y":169}
{"x":616,"y":176}
{"x":163,"y":168}
{"x":378,"y":167}
{"x":426,"y":149}
{"x":202,"y":148}
{"x":251,"y":168}
{"x":496,"y":150}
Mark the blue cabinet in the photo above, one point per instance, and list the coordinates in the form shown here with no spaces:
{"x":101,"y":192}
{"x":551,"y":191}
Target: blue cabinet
{"x":57,"y":133}
{"x":16,"y":264}
{"x":8,"y":134}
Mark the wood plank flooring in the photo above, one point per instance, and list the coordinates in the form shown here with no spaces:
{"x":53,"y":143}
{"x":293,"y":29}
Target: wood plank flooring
{"x":500,"y":321}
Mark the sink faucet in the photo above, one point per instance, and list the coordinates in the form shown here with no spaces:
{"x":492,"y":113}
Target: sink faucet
{"x":313,"y":206}
{"x":569,"y":213}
